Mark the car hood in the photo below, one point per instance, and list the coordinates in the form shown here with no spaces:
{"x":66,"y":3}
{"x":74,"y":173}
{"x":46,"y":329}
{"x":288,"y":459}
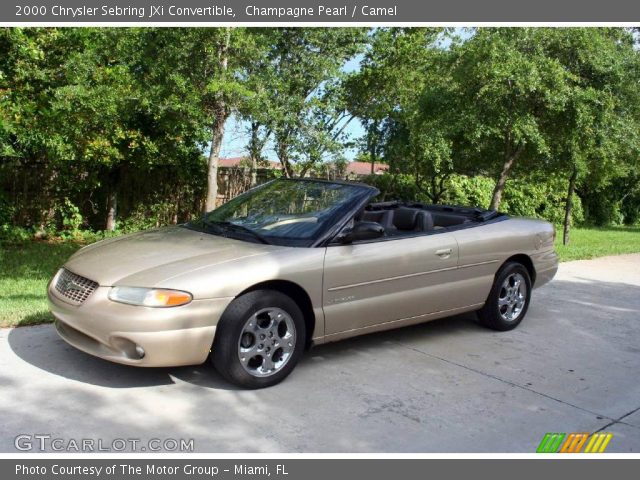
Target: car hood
{"x":149,"y":258}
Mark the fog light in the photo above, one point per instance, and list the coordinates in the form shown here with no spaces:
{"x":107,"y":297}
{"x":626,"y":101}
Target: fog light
{"x":128,"y":348}
{"x":140,"y":351}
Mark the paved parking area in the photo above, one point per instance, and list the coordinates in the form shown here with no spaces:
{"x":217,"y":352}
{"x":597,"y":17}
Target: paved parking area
{"x":445,"y":386}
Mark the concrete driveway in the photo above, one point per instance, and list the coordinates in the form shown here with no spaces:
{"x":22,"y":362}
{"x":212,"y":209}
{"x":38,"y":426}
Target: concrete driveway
{"x":444,"y":386}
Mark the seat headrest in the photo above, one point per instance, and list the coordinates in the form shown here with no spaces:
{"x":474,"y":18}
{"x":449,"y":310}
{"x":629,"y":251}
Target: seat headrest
{"x":383,"y":217}
{"x":425,"y":221}
{"x":405,"y":218}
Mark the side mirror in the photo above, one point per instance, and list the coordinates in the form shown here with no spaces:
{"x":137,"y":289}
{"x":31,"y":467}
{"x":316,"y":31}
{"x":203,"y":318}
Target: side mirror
{"x":361,"y":231}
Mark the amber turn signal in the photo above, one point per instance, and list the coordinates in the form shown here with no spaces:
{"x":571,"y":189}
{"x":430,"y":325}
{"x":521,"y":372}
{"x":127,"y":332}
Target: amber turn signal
{"x":150,"y":297}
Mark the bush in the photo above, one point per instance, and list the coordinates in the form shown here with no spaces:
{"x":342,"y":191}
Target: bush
{"x":14,"y":235}
{"x":541,"y":197}
{"x":145,"y":217}
{"x":469,"y":191}
{"x":630,"y":209}
{"x":7,"y":210}
{"x":71,"y":218}
{"x":532,"y":196}
{"x":617,"y":203}
{"x":395,"y":187}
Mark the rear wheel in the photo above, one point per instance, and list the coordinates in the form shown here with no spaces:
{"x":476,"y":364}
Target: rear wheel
{"x":259,"y":339}
{"x":509,"y":298}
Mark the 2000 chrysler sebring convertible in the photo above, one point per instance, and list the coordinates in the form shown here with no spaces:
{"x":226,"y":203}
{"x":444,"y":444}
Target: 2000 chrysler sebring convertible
{"x":289,"y":264}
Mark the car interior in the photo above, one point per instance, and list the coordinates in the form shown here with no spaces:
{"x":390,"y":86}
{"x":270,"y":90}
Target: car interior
{"x":400,"y":219}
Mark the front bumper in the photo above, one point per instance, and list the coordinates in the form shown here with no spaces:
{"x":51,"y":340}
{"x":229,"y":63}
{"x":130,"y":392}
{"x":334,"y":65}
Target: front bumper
{"x":141,"y":336}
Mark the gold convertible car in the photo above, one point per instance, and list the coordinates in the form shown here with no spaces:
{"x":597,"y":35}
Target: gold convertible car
{"x":289,"y":264}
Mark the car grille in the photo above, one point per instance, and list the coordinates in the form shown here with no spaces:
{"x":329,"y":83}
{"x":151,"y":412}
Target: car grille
{"x":73,"y":287}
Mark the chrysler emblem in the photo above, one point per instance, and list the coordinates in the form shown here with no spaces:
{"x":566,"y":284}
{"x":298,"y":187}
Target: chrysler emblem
{"x":70,"y":285}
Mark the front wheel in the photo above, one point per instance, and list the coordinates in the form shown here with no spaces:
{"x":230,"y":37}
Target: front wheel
{"x":509,"y":298}
{"x":259,"y":339}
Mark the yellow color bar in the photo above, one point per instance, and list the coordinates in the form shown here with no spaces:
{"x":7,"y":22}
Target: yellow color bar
{"x":606,"y":441}
{"x":598,"y":442}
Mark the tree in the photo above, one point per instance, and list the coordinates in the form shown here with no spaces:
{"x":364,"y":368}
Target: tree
{"x":392,"y":74}
{"x":322,"y":129}
{"x":70,"y":101}
{"x":507,"y":88}
{"x":122,"y":89}
{"x":302,"y":64}
{"x":255,"y":107}
{"x":596,"y":137}
{"x":100,"y":93}
{"x":200,"y":73}
{"x":220,"y":108}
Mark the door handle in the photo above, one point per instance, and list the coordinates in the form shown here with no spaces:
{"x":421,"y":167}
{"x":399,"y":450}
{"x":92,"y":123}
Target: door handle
{"x":444,"y":253}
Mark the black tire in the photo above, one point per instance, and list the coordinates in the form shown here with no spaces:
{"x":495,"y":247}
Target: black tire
{"x":226,"y":349}
{"x":494,"y":315}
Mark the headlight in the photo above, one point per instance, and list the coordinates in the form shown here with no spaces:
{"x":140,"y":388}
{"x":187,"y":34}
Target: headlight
{"x":149,"y":297}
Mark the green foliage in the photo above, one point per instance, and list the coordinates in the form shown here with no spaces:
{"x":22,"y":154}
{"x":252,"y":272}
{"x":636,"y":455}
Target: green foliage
{"x":144,"y":217}
{"x":300,"y":99}
{"x":385,"y":91}
{"x":532,"y":196}
{"x":7,"y":210}
{"x":503,"y":101}
{"x":90,"y":114}
{"x":615,"y":204}
{"x":71,"y":217}
{"x":630,"y":208}
{"x":471,"y":191}
{"x":395,"y":187}
{"x":540,"y":198}
{"x":10,"y":234}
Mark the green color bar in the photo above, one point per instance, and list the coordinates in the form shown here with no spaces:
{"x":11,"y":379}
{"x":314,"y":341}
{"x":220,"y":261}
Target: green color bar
{"x":550,"y":443}
{"x":558,"y":442}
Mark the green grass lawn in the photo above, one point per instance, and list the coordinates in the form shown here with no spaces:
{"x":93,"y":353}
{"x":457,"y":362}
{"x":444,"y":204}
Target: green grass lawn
{"x":26,"y":268}
{"x":588,"y":243}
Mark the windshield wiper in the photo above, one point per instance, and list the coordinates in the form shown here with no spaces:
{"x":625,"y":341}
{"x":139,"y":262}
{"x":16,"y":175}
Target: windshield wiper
{"x":236,"y":227}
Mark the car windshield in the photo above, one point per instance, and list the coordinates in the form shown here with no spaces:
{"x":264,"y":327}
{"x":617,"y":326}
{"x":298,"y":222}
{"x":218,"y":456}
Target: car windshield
{"x":284,"y":212}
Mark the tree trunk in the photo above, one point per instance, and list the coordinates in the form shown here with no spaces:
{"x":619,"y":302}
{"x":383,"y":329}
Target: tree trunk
{"x":437,"y":188}
{"x":286,"y":168}
{"x":569,"y":206}
{"x":373,"y":148}
{"x":24,"y":204}
{"x":313,"y":160}
{"x":254,"y":171}
{"x":283,"y":156}
{"x":214,"y":159}
{"x":255,"y":145}
{"x":176,"y":211}
{"x":220,"y":115}
{"x":502,"y":179}
{"x":112,"y":208}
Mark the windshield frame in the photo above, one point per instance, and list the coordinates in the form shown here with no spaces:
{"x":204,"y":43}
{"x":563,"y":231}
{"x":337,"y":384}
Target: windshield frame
{"x":362,"y":194}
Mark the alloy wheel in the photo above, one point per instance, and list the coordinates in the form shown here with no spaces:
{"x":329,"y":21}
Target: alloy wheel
{"x":267,"y":342}
{"x":512,"y":297}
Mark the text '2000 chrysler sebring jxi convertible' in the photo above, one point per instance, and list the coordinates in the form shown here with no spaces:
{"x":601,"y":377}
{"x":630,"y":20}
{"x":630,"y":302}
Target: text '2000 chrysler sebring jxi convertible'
{"x":289,"y":264}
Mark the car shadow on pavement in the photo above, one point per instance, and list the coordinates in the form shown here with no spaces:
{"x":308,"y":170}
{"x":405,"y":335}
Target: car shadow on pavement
{"x":41,"y":347}
{"x":433,"y":330}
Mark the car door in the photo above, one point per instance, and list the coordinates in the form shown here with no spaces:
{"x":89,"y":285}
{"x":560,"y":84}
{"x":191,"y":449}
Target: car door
{"x":369,"y":283}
